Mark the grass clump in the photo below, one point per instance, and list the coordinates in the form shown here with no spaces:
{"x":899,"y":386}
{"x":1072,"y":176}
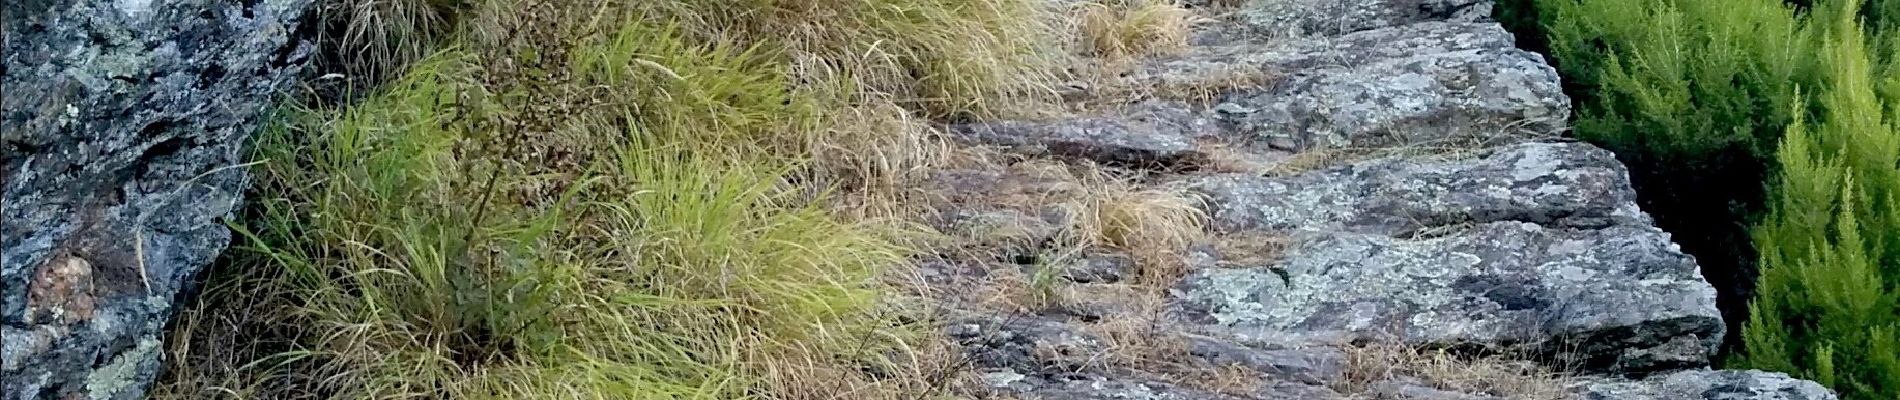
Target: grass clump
{"x":372,"y":41}
{"x":1371,"y":367}
{"x":600,"y":200}
{"x":1129,"y":29}
{"x":941,"y":58}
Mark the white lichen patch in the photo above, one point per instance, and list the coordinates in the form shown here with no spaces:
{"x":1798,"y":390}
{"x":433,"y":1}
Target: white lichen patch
{"x":106,"y":382}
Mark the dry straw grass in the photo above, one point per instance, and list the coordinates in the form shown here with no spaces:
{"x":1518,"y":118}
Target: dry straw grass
{"x":1497,"y":376}
{"x":1121,"y":30}
{"x":1153,"y":224}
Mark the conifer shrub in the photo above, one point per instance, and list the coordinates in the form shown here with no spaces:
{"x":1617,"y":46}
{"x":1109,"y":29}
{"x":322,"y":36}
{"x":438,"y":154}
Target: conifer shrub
{"x":1707,"y":100}
{"x":1828,"y":303}
{"x":1692,"y":96}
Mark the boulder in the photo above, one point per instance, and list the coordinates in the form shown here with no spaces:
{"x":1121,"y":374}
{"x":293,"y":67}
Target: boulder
{"x":1705,"y":384}
{"x":1429,"y":82}
{"x":1570,"y":185}
{"x":122,"y":124}
{"x":1435,"y":83}
{"x":1534,"y":246}
{"x":1151,"y":135}
{"x":1297,"y":18}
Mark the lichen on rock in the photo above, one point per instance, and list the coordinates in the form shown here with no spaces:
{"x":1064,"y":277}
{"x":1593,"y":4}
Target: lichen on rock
{"x":122,"y":124}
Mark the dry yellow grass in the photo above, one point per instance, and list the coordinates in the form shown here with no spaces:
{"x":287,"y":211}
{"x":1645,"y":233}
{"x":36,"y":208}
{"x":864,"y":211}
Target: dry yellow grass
{"x":1251,"y":248}
{"x":974,"y":57}
{"x":1121,"y":30}
{"x":1138,"y":334}
{"x":1206,"y":86}
{"x":1153,"y":224}
{"x":1496,"y":376}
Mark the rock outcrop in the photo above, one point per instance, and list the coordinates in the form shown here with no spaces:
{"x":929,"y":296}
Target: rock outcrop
{"x":1445,"y":215}
{"x":1705,"y":384}
{"x":122,"y":124}
{"x":1535,"y":244}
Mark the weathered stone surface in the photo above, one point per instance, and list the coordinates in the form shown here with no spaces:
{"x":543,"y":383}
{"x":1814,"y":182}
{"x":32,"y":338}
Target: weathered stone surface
{"x":1419,"y":83}
{"x":1148,"y":136}
{"x":1515,"y":245}
{"x":1101,"y":268}
{"x":1536,"y":243}
{"x":1049,"y":359}
{"x":1028,"y":344}
{"x":1092,"y":387}
{"x":1615,"y":297}
{"x":122,"y":123}
{"x":1406,"y":388}
{"x":1558,"y":184}
{"x":1296,"y":18}
{"x":1706,"y":385}
{"x":1317,"y":365}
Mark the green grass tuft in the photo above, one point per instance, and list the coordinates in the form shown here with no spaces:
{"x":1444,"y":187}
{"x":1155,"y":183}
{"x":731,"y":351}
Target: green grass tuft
{"x":606,"y":201}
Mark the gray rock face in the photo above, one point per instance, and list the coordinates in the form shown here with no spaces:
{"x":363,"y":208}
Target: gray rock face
{"x":1422,"y":83}
{"x":1557,"y":184}
{"x":1316,"y":365}
{"x":1155,"y":135}
{"x":1534,"y":244}
{"x":1418,"y":83}
{"x":122,"y":123}
{"x":1518,"y":245}
{"x":1706,"y":385}
{"x":1406,"y":388}
{"x":1046,"y":359}
{"x":1293,"y":18}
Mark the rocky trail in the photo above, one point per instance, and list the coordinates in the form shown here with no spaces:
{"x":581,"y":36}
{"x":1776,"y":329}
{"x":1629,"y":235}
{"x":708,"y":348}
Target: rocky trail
{"x":1331,"y":199}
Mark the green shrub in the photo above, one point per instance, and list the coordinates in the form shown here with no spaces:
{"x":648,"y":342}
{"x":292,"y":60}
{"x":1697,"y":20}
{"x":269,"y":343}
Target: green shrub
{"x":1828,"y":305}
{"x":1692,"y":96}
{"x":1696,"y":95}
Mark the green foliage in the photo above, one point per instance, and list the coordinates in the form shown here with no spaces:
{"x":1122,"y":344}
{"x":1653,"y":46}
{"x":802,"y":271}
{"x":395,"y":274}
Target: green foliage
{"x":608,"y":207}
{"x":1707,"y":99}
{"x":371,"y":41}
{"x":653,"y":275}
{"x":1828,"y":306}
{"x":1692,"y":96}
{"x":944,"y":58}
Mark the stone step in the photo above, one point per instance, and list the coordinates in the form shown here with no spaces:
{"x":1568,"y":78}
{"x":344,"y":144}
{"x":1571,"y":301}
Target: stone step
{"x":1154,"y":135}
{"x":1419,"y":84}
{"x":1705,"y":384}
{"x":1618,"y":299}
{"x":1559,"y":184}
{"x":1264,"y":20}
{"x":1535,"y":246}
{"x":1053,"y":359}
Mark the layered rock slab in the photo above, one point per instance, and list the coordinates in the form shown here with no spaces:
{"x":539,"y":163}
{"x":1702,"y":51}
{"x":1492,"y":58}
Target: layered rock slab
{"x":122,"y":124}
{"x":1295,"y":18}
{"x":1430,"y":82}
{"x":1560,"y":184}
{"x":1535,"y":244}
{"x":1705,"y":385}
{"x":1426,"y":83}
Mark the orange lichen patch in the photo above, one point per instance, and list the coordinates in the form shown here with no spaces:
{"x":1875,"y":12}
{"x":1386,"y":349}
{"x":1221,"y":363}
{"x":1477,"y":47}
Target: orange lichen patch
{"x":61,"y":291}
